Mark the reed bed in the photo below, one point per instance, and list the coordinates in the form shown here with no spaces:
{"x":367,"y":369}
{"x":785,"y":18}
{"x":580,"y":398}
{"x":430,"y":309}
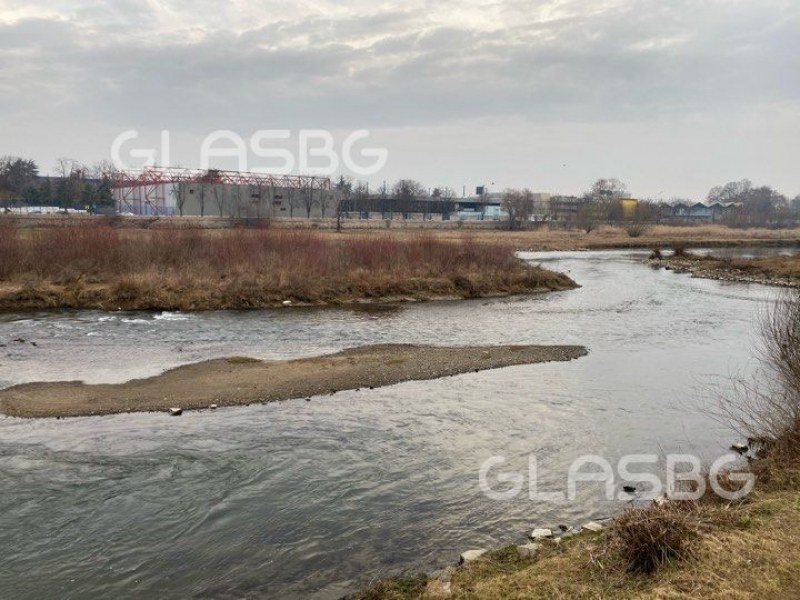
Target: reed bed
{"x":99,"y":266}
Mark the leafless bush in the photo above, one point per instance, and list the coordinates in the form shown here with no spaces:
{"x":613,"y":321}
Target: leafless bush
{"x":680,"y":251}
{"x":636,"y":230}
{"x":649,"y":538}
{"x":767,"y":410}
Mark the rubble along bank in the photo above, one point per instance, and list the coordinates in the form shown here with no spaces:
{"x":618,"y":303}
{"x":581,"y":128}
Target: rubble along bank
{"x":779,"y":271}
{"x":240,"y":381}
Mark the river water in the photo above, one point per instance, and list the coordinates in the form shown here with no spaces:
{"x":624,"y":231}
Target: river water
{"x":316,"y":499}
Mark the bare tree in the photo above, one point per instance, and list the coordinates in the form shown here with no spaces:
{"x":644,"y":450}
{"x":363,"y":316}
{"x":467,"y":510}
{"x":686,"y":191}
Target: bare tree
{"x":445,"y":193}
{"x":180,"y":192}
{"x":308,"y":198}
{"x":446,"y":196}
{"x":360,"y":195}
{"x":324,"y":200}
{"x":608,"y":189}
{"x":260,"y":186}
{"x":201,"y":198}
{"x":735,"y":191}
{"x":296,"y":200}
{"x":518,"y":205}
{"x":343,"y":193}
{"x":220,"y":197}
{"x":235,"y":201}
{"x":590,"y":214}
{"x":405,"y":191}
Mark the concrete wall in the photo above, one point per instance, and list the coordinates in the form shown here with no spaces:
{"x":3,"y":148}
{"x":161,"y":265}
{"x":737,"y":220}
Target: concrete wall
{"x":244,"y":201}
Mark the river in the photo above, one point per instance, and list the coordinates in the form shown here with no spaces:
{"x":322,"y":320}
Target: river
{"x":316,"y":499}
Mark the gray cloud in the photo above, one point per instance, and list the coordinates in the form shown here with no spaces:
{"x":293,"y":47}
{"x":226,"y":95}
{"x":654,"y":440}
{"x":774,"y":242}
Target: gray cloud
{"x":196,"y":67}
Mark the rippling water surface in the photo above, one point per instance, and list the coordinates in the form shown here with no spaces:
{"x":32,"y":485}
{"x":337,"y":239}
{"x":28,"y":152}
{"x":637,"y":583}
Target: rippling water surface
{"x":314,"y":499}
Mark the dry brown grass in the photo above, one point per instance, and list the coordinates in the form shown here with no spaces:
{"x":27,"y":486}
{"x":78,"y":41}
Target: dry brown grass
{"x":98,"y":266}
{"x":650,"y":538}
{"x":742,"y":552}
{"x":653,"y":236}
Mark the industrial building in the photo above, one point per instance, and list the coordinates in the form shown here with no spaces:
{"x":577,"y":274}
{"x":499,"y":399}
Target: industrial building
{"x":232,"y":194}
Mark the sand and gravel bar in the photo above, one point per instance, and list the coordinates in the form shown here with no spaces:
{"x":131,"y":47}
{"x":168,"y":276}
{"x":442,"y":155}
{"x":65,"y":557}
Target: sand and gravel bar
{"x":240,"y":381}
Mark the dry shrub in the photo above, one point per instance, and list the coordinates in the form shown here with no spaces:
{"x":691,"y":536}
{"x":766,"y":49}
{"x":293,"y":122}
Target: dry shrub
{"x":656,"y":254}
{"x":649,"y":538}
{"x":680,"y":251}
{"x":636,"y":230}
{"x":9,"y":247}
{"x":252,"y":268}
{"x":767,"y":410}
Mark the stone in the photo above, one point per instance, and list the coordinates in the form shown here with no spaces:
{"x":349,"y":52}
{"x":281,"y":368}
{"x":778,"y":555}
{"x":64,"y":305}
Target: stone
{"x":437,"y":589}
{"x":740,"y":448}
{"x":287,"y":303}
{"x":592,"y":526}
{"x":471,"y":555}
{"x":660,"y":501}
{"x":528,"y":550}
{"x":540,"y":534}
{"x":176,"y":412}
{"x":569,"y":532}
{"x":213,"y":407}
{"x":629,"y":489}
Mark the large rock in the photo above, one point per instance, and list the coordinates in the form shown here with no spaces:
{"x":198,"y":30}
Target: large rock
{"x":528,"y":550}
{"x":471,"y":555}
{"x":592,"y":526}
{"x":541,"y":534}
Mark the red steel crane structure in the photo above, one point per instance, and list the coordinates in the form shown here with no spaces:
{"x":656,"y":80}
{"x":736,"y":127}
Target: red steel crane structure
{"x":144,"y":191}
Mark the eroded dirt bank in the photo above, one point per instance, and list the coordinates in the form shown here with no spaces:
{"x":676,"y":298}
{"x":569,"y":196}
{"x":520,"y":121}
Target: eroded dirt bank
{"x":238,"y":381}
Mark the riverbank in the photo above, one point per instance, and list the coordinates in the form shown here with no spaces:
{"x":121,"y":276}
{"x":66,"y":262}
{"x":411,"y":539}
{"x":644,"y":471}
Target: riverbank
{"x":732,"y":551}
{"x":97,"y":266}
{"x":780,"y":271}
{"x":240,"y":381}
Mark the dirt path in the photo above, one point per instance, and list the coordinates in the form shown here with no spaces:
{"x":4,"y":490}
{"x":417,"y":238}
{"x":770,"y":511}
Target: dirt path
{"x":237,"y":381}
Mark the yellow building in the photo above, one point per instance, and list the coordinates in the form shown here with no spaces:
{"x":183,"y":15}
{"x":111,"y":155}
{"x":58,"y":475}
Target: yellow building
{"x":628,"y":207}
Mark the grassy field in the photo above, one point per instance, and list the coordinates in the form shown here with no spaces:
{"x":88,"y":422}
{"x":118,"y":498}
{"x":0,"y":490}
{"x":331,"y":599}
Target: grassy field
{"x":98,"y":266}
{"x":663,"y":236}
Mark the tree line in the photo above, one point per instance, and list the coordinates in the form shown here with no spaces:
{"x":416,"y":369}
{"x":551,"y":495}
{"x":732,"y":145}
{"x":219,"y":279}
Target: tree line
{"x":609,"y":201}
{"x":74,"y":185}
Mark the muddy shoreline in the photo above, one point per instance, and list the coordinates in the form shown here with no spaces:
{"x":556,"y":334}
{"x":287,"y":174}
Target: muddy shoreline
{"x":15,"y":299}
{"x":241,"y":381}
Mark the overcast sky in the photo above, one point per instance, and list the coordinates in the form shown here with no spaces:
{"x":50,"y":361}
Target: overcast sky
{"x":671,"y":96}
